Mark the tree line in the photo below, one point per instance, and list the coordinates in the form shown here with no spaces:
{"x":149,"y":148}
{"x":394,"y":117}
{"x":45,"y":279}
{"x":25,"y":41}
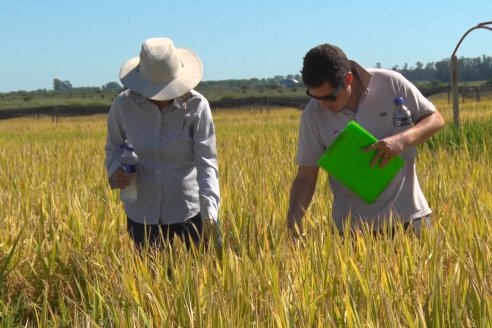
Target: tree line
{"x":59,"y":85}
{"x":430,"y":74}
{"x":469,"y":69}
{"x":433,"y":74}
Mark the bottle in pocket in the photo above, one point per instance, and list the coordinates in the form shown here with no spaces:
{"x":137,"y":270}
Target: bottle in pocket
{"x":401,"y":115}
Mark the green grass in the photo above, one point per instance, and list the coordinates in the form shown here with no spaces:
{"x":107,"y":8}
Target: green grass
{"x":66,"y":260}
{"x":51,"y":99}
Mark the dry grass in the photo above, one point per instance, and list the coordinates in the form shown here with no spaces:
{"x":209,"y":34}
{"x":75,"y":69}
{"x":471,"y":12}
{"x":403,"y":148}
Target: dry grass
{"x":66,"y":261}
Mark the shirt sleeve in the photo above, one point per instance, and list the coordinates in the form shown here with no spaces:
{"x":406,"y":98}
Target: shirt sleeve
{"x":206,"y":163}
{"x":115,"y":138}
{"x":310,"y":146}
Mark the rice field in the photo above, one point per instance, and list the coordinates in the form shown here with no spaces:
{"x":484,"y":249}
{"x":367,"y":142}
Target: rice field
{"x":66,"y":260}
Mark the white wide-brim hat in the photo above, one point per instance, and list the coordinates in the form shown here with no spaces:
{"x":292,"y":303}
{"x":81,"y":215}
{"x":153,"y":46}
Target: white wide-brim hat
{"x":162,"y":72}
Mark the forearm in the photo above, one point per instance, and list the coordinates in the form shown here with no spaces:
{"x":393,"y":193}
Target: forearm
{"x":206,"y":162}
{"x":423,"y":130}
{"x":301,"y":194}
{"x":209,"y":198}
{"x":208,"y":184}
{"x":115,"y":137}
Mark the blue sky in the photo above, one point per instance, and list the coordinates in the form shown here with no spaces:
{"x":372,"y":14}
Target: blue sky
{"x":86,"y":42}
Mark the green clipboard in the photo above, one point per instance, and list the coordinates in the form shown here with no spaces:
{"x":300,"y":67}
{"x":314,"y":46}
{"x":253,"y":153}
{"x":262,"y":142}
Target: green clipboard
{"x":348,"y":164}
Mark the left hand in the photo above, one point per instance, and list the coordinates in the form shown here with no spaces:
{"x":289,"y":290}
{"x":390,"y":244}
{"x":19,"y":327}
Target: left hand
{"x":386,"y":149}
{"x":208,"y":226}
{"x":211,"y":234}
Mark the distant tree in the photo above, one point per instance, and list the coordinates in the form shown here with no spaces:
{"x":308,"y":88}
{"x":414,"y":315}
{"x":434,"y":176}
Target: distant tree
{"x":112,"y":87}
{"x":405,"y":70}
{"x":254,"y":82}
{"x":418,"y":73}
{"x":273,"y":83}
{"x":443,"y":70}
{"x":278,"y":78}
{"x":59,"y":85}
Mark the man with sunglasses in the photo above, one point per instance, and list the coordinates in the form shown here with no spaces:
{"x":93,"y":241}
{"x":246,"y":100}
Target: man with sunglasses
{"x":341,"y":91}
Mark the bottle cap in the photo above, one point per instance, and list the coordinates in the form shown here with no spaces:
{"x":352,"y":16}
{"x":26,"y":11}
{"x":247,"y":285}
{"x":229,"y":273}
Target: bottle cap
{"x":399,"y":101}
{"x":129,"y":147}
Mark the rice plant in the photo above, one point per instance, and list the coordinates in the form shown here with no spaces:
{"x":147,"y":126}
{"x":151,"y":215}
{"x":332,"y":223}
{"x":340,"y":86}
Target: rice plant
{"x":66,"y":260}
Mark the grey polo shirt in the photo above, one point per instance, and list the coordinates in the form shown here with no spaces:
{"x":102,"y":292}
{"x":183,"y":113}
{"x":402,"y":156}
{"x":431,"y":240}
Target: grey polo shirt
{"x":403,"y":198}
{"x":177,"y":168}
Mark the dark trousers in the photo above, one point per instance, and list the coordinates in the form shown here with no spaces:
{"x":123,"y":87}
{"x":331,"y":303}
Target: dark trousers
{"x":158,"y":235}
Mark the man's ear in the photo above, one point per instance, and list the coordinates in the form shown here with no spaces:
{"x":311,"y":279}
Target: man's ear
{"x":349,"y":77}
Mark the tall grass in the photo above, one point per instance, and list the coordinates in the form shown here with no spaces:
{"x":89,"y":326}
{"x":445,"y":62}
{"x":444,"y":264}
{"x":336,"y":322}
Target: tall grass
{"x":66,"y":260}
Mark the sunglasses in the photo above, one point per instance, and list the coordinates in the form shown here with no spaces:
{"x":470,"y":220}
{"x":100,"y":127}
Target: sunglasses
{"x":329,"y":98}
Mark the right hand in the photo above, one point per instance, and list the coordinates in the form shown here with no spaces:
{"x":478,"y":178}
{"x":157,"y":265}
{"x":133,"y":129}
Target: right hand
{"x":120,"y":178}
{"x":294,"y":228}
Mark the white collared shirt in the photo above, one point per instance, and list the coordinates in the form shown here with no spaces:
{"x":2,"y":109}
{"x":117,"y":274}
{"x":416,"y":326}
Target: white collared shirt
{"x":177,"y":167}
{"x":319,"y":128}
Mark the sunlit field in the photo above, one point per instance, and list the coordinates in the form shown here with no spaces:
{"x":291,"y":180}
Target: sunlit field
{"x":66,"y":260}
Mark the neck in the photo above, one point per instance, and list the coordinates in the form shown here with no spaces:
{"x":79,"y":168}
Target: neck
{"x":161,"y":103}
{"x":355,"y":93}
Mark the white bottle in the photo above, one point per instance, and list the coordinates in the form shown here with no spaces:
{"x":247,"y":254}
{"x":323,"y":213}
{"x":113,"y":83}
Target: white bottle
{"x":129,"y":162}
{"x":401,"y":116}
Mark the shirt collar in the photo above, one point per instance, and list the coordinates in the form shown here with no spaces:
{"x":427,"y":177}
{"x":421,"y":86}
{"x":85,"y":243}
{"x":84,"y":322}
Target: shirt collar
{"x":179,"y":102}
{"x":364,"y":76}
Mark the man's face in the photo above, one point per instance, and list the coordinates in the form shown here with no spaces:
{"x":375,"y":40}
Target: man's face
{"x":330,"y":98}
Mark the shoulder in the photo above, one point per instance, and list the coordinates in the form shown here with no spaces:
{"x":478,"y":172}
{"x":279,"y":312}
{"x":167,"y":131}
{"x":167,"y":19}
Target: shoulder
{"x":193,"y":97}
{"x":193,"y":101}
{"x":381,"y":75}
{"x":386,"y":80}
{"x":313,"y":116}
{"x":125,"y":103}
{"x":314,"y":112}
{"x":126,"y":97}
{"x":119,"y":101}
{"x":368,"y":75}
{"x":311,"y":108}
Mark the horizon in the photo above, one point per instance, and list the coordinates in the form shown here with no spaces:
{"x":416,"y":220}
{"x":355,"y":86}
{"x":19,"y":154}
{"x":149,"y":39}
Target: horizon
{"x":86,"y":43}
{"x":226,"y":79}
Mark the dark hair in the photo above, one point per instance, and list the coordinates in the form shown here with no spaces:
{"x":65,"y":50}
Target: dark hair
{"x":324,"y":63}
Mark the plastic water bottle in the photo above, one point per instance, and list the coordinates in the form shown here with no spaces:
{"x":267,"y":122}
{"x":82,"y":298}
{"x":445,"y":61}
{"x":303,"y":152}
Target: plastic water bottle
{"x":401,"y":115}
{"x":129,"y":162}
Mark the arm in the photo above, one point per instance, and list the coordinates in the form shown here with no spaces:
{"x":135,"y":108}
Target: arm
{"x":206,"y":163}
{"x":390,"y":147}
{"x":115,"y":137}
{"x":301,"y":193}
{"x":422,"y":130}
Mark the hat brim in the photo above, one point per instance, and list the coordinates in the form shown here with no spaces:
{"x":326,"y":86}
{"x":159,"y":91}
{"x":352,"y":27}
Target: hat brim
{"x":190,"y":74}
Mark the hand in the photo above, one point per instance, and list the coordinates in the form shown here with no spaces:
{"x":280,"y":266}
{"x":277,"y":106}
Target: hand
{"x":120,"y":179}
{"x":211,"y":233}
{"x":294,"y":228}
{"x":386,"y":149}
{"x":208,"y":226}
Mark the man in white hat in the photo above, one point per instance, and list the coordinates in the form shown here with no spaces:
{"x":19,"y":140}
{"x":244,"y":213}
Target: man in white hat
{"x":171,"y":129}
